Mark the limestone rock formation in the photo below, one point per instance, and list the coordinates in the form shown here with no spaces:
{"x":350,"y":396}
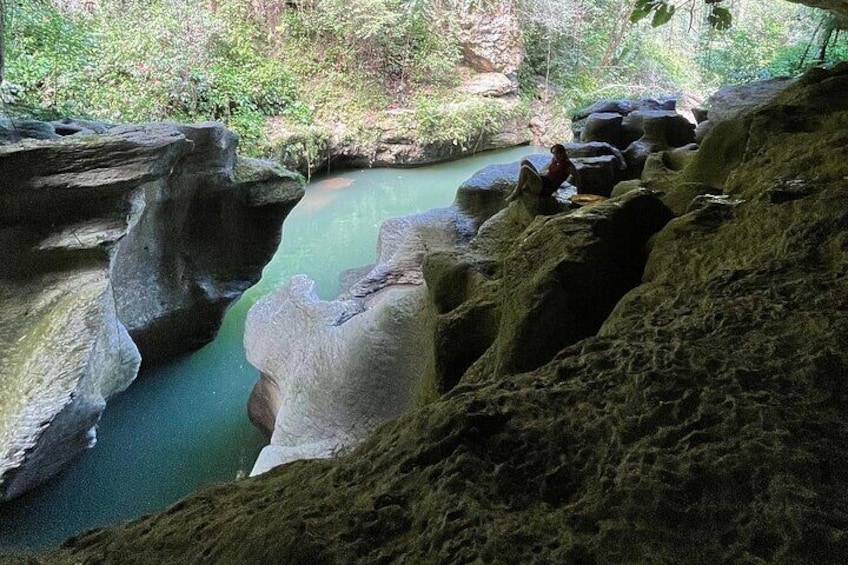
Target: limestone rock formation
{"x":398,"y":142}
{"x":401,"y":146}
{"x":492,"y":39}
{"x":729,"y":102}
{"x":489,"y":84}
{"x":703,"y":422}
{"x":631,"y":131}
{"x":64,"y":354}
{"x":106,"y":234}
{"x":332,"y":371}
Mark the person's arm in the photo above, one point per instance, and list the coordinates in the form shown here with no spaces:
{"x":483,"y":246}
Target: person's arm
{"x":544,"y":171}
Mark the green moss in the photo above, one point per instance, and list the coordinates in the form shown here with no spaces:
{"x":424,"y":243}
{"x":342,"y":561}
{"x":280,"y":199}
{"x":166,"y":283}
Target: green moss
{"x":721,"y":151}
{"x":255,"y":170}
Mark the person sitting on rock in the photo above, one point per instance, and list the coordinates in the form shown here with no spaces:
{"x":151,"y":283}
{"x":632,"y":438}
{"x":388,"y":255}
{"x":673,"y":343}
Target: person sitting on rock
{"x":546,"y":182}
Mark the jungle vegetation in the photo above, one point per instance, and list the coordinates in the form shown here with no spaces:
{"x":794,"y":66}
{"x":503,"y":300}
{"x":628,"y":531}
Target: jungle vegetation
{"x":264,"y":66}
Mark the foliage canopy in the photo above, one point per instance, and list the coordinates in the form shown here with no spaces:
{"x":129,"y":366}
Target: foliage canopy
{"x":264,"y":64}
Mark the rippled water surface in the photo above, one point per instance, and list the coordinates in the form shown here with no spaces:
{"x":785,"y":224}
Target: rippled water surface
{"x":185,"y":424}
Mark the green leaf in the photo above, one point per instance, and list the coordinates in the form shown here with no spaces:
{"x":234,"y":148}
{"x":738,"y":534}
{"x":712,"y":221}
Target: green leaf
{"x":641,"y":10}
{"x":662,"y":15}
{"x":638,"y":14}
{"x":720,"y":18}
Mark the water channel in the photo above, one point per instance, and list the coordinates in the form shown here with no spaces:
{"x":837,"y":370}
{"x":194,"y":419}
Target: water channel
{"x":184,"y":424}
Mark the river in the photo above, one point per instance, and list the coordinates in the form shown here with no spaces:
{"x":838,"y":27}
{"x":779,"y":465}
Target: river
{"x":184,"y":424}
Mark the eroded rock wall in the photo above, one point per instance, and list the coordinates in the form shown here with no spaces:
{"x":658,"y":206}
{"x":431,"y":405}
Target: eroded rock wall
{"x":107,"y":234}
{"x":332,"y":371}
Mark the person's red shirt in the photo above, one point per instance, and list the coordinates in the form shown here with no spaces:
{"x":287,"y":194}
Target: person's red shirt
{"x":557,"y":172}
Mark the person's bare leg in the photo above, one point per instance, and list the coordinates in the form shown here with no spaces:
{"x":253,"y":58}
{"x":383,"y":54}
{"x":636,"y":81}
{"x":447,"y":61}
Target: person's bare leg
{"x":529,"y":180}
{"x":519,"y":185}
{"x":528,"y":163}
{"x":532,"y":180}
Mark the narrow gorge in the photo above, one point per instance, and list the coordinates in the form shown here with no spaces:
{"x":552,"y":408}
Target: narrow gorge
{"x":648,"y":366}
{"x":120,"y":244}
{"x":691,"y":412}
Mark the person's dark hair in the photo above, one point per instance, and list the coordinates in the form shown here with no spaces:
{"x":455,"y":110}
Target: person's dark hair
{"x":558,"y":147}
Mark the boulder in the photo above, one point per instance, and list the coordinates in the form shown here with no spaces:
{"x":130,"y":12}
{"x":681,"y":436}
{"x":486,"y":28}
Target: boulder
{"x":144,"y":232}
{"x":484,"y":194}
{"x":582,"y":262}
{"x":620,"y":107}
{"x":344,"y":368}
{"x":605,"y":127}
{"x":64,"y":353}
{"x":14,"y":130}
{"x":657,"y":130}
{"x":489,"y":84}
{"x":729,"y":102}
{"x":597,"y":175}
{"x":595,"y":149}
{"x":193,"y":251}
{"x":623,"y":107}
{"x":350,"y":364}
{"x":660,"y":129}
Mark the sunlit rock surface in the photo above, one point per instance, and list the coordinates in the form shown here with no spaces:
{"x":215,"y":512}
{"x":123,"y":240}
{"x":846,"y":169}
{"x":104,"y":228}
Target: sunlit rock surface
{"x":109,"y":233}
{"x":704,"y":422}
{"x":336,"y":369}
{"x":332,"y":371}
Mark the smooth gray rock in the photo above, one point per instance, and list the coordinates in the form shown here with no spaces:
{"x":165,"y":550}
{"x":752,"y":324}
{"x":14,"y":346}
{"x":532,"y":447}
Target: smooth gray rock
{"x":603,"y":126}
{"x":331,"y":371}
{"x":64,"y":353}
{"x":730,"y":102}
{"x":144,"y":231}
{"x":484,"y":194}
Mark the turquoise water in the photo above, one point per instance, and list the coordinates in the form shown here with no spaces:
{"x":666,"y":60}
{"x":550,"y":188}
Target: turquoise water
{"x":185,"y":424}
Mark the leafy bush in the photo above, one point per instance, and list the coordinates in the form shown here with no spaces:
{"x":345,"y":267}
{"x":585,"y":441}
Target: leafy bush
{"x":178,"y":62}
{"x":406,"y":43}
{"x":47,"y":56}
{"x":462,"y":121}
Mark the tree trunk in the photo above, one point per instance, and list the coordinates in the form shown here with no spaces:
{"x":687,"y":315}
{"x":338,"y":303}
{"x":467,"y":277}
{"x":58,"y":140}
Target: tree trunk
{"x":831,"y":25}
{"x":618,"y":32}
{"x":2,"y":40}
